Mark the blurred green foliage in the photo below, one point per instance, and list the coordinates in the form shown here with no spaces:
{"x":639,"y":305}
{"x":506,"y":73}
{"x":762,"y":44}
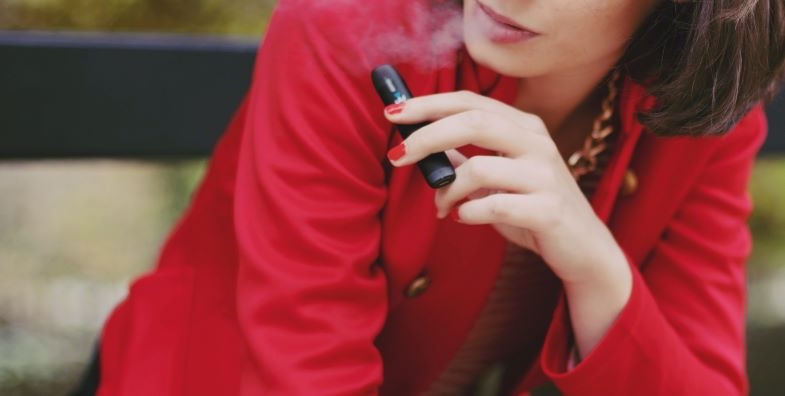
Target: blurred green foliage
{"x":245,"y":17}
{"x":767,"y":222}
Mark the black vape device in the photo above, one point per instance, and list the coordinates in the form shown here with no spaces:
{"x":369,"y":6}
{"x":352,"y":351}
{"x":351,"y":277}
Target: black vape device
{"x":436,"y":167}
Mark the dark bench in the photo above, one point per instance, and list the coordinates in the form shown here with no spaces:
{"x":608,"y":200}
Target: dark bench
{"x":120,"y":96}
{"x":140,"y":96}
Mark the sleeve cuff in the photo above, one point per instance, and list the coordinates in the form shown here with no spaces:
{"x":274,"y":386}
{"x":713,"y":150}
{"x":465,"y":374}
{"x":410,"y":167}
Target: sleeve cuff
{"x":594,"y":368}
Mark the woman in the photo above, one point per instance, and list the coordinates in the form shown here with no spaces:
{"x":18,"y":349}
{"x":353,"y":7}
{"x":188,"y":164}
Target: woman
{"x":315,"y":260}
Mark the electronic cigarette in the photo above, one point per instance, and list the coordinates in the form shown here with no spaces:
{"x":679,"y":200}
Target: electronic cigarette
{"x":436,"y":167}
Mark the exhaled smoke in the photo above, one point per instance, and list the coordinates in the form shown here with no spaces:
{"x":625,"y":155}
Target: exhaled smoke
{"x":429,"y":40}
{"x":424,"y":33}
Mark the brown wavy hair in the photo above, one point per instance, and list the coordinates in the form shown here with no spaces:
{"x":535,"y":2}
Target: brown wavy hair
{"x":707,"y":62}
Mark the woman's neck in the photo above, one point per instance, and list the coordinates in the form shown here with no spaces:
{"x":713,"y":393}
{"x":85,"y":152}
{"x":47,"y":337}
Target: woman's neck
{"x":567,"y":103}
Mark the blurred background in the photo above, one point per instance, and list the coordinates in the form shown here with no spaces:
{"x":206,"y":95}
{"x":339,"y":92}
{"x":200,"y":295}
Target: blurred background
{"x":74,"y":232}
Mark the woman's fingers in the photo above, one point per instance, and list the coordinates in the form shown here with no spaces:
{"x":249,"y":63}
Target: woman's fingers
{"x":440,"y":105}
{"x":476,"y":127}
{"x":518,"y":210}
{"x":456,"y":158}
{"x":488,"y":174}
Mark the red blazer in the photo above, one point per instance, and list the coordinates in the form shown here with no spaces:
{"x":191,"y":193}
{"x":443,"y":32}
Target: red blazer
{"x":288,"y":274}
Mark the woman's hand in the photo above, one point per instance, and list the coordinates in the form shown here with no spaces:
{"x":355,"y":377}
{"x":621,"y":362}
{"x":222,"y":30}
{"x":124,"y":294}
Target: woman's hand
{"x":528,"y":195}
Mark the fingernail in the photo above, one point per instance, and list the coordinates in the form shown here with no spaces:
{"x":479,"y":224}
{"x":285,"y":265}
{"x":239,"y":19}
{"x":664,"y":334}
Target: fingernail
{"x":454,"y":214}
{"x":394,"y":108}
{"x":454,"y":210}
{"x":397,"y":152}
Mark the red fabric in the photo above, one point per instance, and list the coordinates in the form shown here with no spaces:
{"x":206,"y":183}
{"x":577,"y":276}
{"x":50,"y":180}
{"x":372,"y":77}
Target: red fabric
{"x":682,"y":331}
{"x":286,"y":276}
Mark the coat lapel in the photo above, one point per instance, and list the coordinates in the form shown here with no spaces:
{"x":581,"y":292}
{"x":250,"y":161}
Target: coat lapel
{"x":633,"y":98}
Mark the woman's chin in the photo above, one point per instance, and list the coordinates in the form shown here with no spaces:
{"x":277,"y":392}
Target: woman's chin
{"x":498,"y":59}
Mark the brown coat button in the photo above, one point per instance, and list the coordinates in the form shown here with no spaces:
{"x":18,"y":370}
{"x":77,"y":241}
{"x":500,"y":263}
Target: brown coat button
{"x":630,"y":182}
{"x":418,"y":286}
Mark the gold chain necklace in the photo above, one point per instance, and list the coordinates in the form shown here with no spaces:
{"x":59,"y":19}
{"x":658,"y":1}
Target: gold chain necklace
{"x":585,"y":160}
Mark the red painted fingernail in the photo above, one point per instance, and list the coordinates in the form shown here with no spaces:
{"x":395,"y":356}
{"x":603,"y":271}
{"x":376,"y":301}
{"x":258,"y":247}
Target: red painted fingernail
{"x":454,"y":210}
{"x":394,"y":108}
{"x":454,"y":214}
{"x":397,"y":152}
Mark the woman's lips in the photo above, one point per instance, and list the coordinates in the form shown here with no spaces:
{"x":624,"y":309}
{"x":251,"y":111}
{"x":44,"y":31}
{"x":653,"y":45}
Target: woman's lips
{"x":499,"y":28}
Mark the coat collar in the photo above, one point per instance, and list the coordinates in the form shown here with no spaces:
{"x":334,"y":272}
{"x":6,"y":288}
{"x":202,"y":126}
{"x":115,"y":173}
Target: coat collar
{"x":633,"y":98}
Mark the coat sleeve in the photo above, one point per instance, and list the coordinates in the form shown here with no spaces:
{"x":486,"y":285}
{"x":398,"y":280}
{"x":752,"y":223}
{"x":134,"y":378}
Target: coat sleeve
{"x":309,"y":191}
{"x":682,"y":330}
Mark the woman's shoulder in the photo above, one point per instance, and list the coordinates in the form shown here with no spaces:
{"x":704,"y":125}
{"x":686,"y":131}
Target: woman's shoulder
{"x":747,"y":135}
